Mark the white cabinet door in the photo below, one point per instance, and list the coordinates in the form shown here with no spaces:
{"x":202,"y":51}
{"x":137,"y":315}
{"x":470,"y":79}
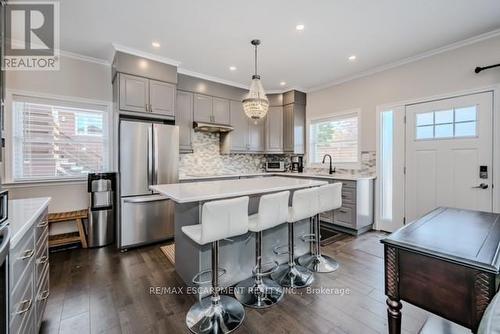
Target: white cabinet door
{"x":447,"y":143}
{"x":134,"y":93}
{"x":162,"y":97}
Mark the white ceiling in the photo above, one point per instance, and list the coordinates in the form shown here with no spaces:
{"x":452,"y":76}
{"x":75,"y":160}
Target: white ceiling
{"x":208,"y":36}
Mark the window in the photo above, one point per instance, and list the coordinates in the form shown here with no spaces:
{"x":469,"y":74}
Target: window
{"x":56,"y":139}
{"x":337,"y":136}
{"x":452,"y":123}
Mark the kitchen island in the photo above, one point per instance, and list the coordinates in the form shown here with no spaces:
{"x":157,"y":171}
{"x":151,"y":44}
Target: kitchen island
{"x":237,"y":255}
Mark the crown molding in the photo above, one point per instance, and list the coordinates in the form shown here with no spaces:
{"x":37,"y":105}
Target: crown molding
{"x":412,"y":59}
{"x":184,"y":71}
{"x":139,"y":53}
{"x":84,"y":58}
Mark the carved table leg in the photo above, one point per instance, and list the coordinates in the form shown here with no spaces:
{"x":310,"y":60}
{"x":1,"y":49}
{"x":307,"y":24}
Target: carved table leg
{"x":394,"y":315}
{"x":392,"y":290}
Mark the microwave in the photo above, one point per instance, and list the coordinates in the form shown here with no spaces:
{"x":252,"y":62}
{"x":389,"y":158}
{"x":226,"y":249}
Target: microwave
{"x":275,"y":166}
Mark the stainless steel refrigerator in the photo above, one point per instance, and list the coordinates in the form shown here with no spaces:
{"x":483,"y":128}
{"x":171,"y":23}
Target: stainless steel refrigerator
{"x":148,"y":155}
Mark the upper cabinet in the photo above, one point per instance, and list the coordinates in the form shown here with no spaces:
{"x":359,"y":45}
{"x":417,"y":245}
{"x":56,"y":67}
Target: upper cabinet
{"x":294,"y":118}
{"x":274,"y":130}
{"x":247,"y":136}
{"x":211,"y":109}
{"x":256,"y":136}
{"x":203,"y":108}
{"x":184,"y":119}
{"x":239,"y":121}
{"x":139,"y":94}
{"x":162,"y":98}
{"x":134,"y":93}
{"x":221,"y":110}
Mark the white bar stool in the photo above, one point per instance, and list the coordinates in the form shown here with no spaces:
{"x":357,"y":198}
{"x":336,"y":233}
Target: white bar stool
{"x":329,"y":198}
{"x":260,"y":291}
{"x":304,"y":204}
{"x":219,"y":220}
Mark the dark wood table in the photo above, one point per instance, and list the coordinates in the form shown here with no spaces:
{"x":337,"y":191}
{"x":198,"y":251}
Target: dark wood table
{"x":446,"y":262}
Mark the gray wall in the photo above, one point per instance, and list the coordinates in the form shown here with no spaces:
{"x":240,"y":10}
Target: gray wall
{"x":447,"y":72}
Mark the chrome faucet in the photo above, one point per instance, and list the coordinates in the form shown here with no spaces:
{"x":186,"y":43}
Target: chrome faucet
{"x":332,"y":170}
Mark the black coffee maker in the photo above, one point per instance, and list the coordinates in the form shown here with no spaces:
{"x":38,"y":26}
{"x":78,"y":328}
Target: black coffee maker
{"x":297,"y":163}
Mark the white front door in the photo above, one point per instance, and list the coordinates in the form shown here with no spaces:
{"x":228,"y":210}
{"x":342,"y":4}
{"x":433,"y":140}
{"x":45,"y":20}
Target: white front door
{"x":448,"y":144}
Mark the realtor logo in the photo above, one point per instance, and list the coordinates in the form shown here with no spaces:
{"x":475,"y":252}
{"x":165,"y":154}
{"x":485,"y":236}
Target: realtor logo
{"x":31,"y":36}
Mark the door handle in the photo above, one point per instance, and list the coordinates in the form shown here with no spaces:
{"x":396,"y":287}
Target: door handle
{"x":481,"y":186}
{"x":146,"y":199}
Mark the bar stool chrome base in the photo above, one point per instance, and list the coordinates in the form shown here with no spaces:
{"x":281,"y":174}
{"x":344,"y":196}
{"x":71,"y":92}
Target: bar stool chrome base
{"x":264,"y":294}
{"x":318,"y":263}
{"x":224,"y":316}
{"x":294,"y":276}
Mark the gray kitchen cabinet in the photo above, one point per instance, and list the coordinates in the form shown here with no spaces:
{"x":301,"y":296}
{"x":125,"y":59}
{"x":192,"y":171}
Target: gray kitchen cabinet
{"x":134,"y":93}
{"x":288,"y":128}
{"x":161,"y":98}
{"x":184,"y":119}
{"x":274,"y":130}
{"x":256,"y":135}
{"x":221,"y":111}
{"x":140,"y":94}
{"x":239,"y":121}
{"x":29,"y":278}
{"x":203,"y":108}
{"x":356,"y":215}
{"x":294,"y":118}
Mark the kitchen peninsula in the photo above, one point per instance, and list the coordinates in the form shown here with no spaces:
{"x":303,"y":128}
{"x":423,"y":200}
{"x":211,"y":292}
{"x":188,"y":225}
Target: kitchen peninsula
{"x":237,"y":255}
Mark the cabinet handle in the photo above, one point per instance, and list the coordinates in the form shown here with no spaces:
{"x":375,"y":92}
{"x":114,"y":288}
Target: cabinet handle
{"x":44,"y":295}
{"x":342,"y":211}
{"x":43,"y":259}
{"x":27,"y":254}
{"x":43,"y":224}
{"x":26,"y":308}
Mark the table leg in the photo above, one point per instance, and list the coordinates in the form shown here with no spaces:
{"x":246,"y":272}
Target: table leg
{"x":394,"y":315}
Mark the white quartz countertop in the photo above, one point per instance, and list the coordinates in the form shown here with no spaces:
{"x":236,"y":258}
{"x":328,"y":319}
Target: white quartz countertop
{"x":347,"y":177}
{"x":212,"y":190}
{"x":22,"y":214}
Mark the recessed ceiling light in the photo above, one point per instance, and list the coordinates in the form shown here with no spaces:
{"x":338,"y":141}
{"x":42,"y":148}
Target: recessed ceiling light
{"x":282,"y":83}
{"x":155,"y":44}
{"x":352,"y":58}
{"x":232,"y":68}
{"x":299,"y":27}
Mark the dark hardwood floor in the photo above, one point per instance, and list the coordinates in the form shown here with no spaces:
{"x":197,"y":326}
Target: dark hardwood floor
{"x":105,"y":291}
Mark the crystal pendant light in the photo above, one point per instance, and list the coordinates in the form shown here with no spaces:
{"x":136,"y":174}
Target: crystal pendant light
{"x":256,"y":104}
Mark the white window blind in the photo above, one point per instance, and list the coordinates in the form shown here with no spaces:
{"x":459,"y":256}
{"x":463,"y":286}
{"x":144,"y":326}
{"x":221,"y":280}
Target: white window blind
{"x":337,"y":136}
{"x":56,"y":139}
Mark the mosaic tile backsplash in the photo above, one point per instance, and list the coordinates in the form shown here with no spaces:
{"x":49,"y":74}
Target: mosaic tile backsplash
{"x":207,"y":160}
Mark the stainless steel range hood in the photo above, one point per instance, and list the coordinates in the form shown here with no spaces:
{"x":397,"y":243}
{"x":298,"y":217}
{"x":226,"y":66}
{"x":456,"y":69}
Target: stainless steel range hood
{"x":212,"y":127}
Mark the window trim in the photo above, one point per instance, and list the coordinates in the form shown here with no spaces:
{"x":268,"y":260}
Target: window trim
{"x":8,"y":170}
{"x":333,"y":115}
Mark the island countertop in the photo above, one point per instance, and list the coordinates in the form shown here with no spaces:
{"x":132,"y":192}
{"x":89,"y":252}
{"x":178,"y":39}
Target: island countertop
{"x":213,"y":190}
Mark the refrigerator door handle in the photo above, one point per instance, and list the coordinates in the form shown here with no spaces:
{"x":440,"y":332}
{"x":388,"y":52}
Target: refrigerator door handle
{"x":155,"y":152}
{"x":150,"y":156}
{"x":146,"y":199}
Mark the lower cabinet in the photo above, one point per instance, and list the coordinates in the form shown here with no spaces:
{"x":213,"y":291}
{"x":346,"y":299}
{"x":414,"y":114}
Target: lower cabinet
{"x":29,"y":278}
